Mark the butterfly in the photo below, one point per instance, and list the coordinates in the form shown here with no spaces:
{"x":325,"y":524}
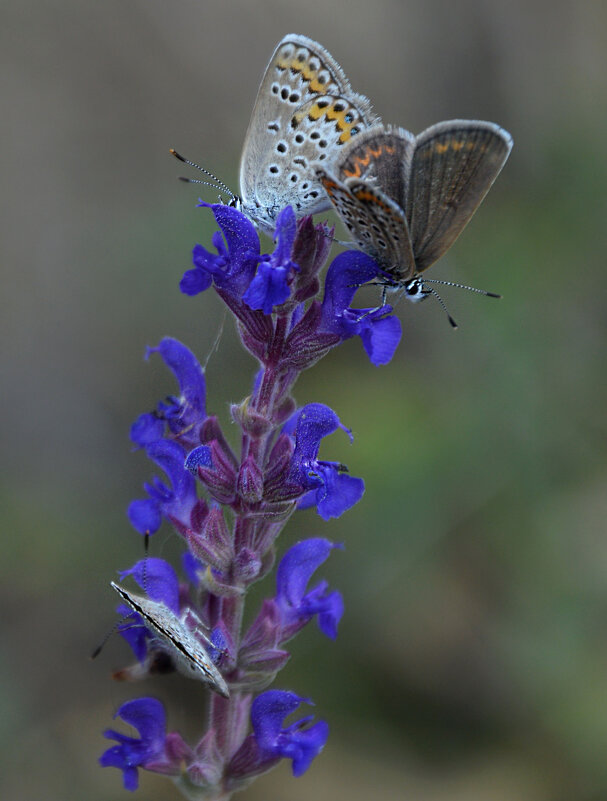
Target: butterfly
{"x":177,"y":638}
{"x":305,"y":113}
{"x":405,"y":199}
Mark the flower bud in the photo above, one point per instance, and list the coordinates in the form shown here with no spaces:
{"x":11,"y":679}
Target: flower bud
{"x":213,"y":544}
{"x":247,"y":565}
{"x":250,"y":481}
{"x":252,"y":423}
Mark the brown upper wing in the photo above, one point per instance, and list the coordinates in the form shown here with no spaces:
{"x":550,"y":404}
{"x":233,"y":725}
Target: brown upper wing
{"x":453,"y":167}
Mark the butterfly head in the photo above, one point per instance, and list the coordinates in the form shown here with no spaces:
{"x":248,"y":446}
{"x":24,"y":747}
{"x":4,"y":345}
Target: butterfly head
{"x":414,"y":290}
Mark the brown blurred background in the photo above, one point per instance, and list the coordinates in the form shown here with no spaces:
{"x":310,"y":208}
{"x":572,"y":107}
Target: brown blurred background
{"x":472,"y":660}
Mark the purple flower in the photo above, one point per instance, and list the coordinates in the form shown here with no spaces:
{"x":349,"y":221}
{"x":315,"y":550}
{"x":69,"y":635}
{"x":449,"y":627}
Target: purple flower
{"x":184,"y":416}
{"x":215,"y":465}
{"x":148,"y":717}
{"x":295,"y":742}
{"x":147,"y":428}
{"x":379,"y":332}
{"x":176,"y":501}
{"x":329,"y":487}
{"x":271,"y":285}
{"x":233,"y":268}
{"x":297,"y":606}
{"x":134,"y":632}
{"x":186,"y":413}
{"x":158,"y":580}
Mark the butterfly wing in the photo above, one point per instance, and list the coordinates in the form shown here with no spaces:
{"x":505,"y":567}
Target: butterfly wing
{"x":189,"y":655}
{"x":453,"y":167}
{"x":304,"y":113}
{"x":377,"y":224}
{"x":367,"y":194}
{"x":382,"y":153}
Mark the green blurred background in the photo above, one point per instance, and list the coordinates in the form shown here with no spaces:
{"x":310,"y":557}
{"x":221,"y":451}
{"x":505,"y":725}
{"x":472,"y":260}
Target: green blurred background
{"x":472,"y":661}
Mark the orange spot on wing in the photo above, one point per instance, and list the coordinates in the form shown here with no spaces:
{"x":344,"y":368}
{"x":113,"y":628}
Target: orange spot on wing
{"x":303,"y":68}
{"x":316,"y":112}
{"x":310,"y":76}
{"x":366,"y":195}
{"x":361,"y":162}
{"x":456,"y":145}
{"x":329,"y":185}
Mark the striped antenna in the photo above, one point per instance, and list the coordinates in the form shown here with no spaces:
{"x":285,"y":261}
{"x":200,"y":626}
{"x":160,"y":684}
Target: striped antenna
{"x":460,"y":286}
{"x":218,"y":183}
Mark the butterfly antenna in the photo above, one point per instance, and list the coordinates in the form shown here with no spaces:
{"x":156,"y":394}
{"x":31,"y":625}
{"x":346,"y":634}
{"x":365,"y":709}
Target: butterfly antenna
{"x":110,"y":633}
{"x":198,"y":181}
{"x":219,"y":184}
{"x":101,"y":645}
{"x":443,"y":307}
{"x":146,"y":550}
{"x":462,"y":286}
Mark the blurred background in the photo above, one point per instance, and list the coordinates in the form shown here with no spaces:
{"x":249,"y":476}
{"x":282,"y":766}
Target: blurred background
{"x":472,"y":660}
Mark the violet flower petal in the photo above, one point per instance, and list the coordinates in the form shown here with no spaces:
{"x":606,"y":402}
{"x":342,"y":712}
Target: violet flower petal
{"x":379,"y":332}
{"x":190,"y":407}
{"x":147,"y":428}
{"x":174,"y":502}
{"x":268,"y":712}
{"x":158,"y":579}
{"x":335,"y":492}
{"x":233,"y":268}
{"x":148,"y":717}
{"x":292,"y":578}
{"x":145,"y":515}
{"x":270,"y":286}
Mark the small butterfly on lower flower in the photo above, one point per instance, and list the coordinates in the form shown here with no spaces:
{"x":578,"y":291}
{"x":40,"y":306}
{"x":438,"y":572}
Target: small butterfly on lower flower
{"x":177,"y":638}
